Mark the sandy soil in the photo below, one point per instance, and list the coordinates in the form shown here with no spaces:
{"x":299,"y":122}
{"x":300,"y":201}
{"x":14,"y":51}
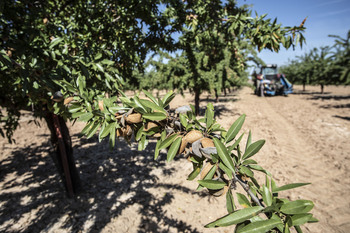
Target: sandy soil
{"x":307,"y":140}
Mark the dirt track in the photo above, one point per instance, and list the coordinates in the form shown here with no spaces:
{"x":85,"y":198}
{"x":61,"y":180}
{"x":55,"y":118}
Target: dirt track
{"x":307,"y":140}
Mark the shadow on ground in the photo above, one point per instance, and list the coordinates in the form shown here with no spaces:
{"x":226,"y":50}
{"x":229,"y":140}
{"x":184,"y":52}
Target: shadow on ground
{"x":112,"y":181}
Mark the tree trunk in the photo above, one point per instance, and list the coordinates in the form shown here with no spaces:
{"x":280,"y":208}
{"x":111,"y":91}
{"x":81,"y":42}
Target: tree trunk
{"x":63,"y":158}
{"x":322,"y":88}
{"x":196,"y":100}
{"x":303,"y":86}
{"x":216,"y":96}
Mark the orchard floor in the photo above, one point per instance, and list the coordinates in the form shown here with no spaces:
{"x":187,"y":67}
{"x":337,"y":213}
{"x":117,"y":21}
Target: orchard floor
{"x":307,"y":140}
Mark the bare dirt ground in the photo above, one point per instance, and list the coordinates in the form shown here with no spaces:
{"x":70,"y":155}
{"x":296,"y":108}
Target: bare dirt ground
{"x":307,"y":140}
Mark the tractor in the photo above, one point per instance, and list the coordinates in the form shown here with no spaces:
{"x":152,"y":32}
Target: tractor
{"x":268,"y":81}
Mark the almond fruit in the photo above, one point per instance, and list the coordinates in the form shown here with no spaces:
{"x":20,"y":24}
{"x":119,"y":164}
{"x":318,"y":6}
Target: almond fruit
{"x":193,"y":136}
{"x":100,"y":105}
{"x":68,"y":100}
{"x":150,"y":125}
{"x":207,"y":142}
{"x":182,"y":146}
{"x":134,"y":118}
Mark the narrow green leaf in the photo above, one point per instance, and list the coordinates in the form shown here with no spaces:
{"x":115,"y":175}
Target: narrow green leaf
{"x":55,"y":42}
{"x":230,"y":203}
{"x":112,"y":139}
{"x":246,"y":171}
{"x":212,"y":184}
{"x":235,"y":128}
{"x":174,"y":149}
{"x":183,"y":120}
{"x":209,"y":115}
{"x":142,"y":143}
{"x":87,"y":128}
{"x":227,"y":171}
{"x":168,"y":98}
{"x":151,"y":105}
{"x":157,"y":150}
{"x":267,"y":196}
{"x":155,"y":116}
{"x":297,"y":207}
{"x":93,"y":130}
{"x":167,"y":141}
{"x":260,"y":226}
{"x":100,"y":67}
{"x":259,"y":168}
{"x":223,"y":154}
{"x":289,"y":186}
{"x":300,"y":219}
{"x":234,"y":145}
{"x":86,"y":117}
{"x":249,"y":140}
{"x":195,"y":172}
{"x":236,"y":217}
{"x":150,"y":96}
{"x":107,"y":129}
{"x":253,"y":149}
{"x":243,"y":200}
{"x":249,"y":161}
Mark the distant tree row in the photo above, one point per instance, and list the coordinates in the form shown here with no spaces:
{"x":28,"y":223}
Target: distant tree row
{"x":329,"y":65}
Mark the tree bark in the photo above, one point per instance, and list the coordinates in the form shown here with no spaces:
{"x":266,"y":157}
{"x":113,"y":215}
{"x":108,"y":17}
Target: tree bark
{"x":303,"y":86}
{"x":322,"y":88}
{"x":71,"y":181}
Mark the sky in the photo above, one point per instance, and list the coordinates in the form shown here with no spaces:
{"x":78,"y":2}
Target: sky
{"x":324,"y":17}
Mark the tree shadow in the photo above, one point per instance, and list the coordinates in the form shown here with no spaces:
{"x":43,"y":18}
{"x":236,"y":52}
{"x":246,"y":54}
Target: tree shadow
{"x":342,"y":117}
{"x":33,"y":198}
{"x":328,"y":97}
{"x":328,"y":106}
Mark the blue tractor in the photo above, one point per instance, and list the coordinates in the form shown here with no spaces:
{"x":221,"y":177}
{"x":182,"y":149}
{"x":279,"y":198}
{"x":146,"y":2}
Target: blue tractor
{"x":268,"y":81}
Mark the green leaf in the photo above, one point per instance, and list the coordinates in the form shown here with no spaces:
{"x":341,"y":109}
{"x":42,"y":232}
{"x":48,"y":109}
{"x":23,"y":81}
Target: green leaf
{"x":234,"y":145}
{"x":209,"y":115}
{"x":297,"y":207}
{"x":167,"y":141}
{"x":195,"y":172}
{"x":55,"y":42}
{"x":142,"y":143}
{"x":168,"y":98}
{"x":227,"y":171}
{"x":243,"y":200}
{"x":212,"y":184}
{"x":100,"y":67}
{"x":246,"y":171}
{"x":267,"y":196}
{"x":249,"y":161}
{"x":156,"y":150}
{"x":259,"y":168}
{"x":93,"y":130}
{"x":155,"y":116}
{"x":223,"y":154}
{"x":112,"y":139}
{"x":236,"y":217}
{"x":249,"y":140}
{"x":151,"y":105}
{"x":288,"y":186}
{"x":235,"y":128}
{"x":106,"y":130}
{"x":183,"y":120}
{"x":260,"y":226}
{"x":87,"y":128}
{"x":253,"y":149}
{"x":174,"y":148}
{"x":300,"y":219}
{"x":86,"y":117}
{"x":149,"y":95}
{"x":230,"y":203}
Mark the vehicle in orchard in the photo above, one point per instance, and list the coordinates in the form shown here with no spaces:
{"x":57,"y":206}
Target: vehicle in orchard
{"x":268,"y":81}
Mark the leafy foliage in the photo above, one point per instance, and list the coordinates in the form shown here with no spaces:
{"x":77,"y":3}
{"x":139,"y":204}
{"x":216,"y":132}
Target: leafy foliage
{"x":322,"y":66}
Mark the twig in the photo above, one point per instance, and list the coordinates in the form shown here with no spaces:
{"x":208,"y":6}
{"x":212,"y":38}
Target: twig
{"x":248,"y":190}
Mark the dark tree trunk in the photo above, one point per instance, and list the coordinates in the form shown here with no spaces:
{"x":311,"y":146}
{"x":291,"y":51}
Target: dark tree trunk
{"x":225,"y":93}
{"x":322,"y":88}
{"x":303,"y":86}
{"x":196,"y":100}
{"x":63,"y":158}
{"x":216,"y":96}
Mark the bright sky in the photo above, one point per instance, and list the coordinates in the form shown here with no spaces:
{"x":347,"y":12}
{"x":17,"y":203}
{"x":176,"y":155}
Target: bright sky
{"x":325,"y":17}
